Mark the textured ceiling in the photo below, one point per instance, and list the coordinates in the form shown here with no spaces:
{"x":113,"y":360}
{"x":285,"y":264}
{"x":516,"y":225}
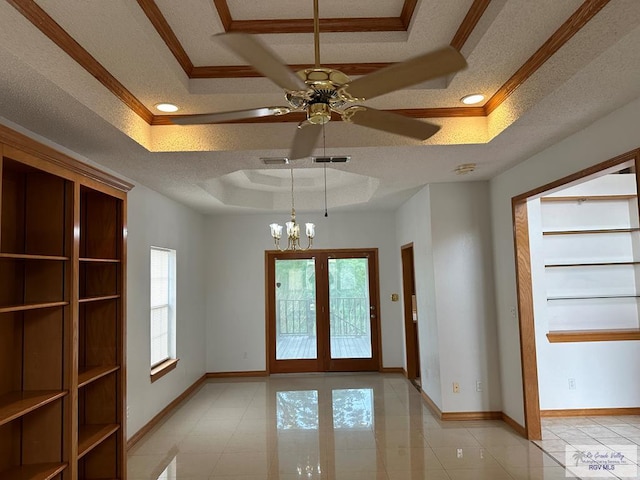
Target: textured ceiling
{"x":547,"y":68}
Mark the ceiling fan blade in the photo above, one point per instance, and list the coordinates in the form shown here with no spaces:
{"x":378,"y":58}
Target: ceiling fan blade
{"x":389,"y":122}
{"x":405,"y":74}
{"x":263,"y":59}
{"x":222,"y":117}
{"x":305,"y":140}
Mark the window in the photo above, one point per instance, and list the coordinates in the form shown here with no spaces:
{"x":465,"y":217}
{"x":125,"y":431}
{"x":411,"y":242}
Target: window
{"x":163,"y":311}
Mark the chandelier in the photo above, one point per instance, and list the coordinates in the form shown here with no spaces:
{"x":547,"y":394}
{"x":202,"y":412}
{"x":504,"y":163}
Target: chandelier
{"x":293,"y":230}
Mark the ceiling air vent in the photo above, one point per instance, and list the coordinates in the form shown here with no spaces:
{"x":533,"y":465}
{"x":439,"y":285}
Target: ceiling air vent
{"x":344,"y":159}
{"x":275,"y":160}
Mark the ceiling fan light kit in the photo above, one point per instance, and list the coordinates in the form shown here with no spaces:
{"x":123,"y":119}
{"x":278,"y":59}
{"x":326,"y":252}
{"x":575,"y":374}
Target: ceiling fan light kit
{"x":321,"y":92}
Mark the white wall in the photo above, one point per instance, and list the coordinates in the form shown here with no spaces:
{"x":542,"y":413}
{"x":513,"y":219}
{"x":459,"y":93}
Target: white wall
{"x":154,"y":220}
{"x":449,"y":225}
{"x":612,"y":135}
{"x":461,"y":233}
{"x":236,"y":281}
{"x":413,"y":221}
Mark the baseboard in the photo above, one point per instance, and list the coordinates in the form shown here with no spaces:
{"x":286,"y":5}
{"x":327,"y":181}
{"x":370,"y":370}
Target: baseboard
{"x":462,"y":416}
{"x":590,"y":412}
{"x":514,"y":425}
{"x":254,"y":373}
{"x":165,"y":411}
{"x":431,"y":404}
{"x":393,"y":370}
{"x":459,"y":416}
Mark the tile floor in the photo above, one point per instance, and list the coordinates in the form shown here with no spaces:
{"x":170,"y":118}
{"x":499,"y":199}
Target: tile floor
{"x":348,"y":426}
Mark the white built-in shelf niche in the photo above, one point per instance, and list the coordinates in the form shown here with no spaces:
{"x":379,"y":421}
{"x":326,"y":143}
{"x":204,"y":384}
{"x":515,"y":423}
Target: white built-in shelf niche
{"x":591,"y":243}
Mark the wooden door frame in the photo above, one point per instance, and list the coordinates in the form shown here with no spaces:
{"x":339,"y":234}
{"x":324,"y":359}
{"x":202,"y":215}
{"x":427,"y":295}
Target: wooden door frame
{"x":408,"y":287}
{"x":323,"y":362}
{"x":524,"y":288}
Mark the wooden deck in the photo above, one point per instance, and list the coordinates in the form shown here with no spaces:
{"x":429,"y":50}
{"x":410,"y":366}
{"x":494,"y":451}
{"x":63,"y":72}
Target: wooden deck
{"x":303,"y":346}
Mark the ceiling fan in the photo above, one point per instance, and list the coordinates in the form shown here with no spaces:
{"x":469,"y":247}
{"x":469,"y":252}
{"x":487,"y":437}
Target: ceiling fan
{"x":320,"y":91}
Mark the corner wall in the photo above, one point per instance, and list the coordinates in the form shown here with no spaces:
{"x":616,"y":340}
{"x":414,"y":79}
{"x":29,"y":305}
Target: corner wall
{"x":155,"y":220}
{"x":413,"y":222}
{"x":461,"y":236}
{"x":449,"y":225}
{"x":606,"y":138}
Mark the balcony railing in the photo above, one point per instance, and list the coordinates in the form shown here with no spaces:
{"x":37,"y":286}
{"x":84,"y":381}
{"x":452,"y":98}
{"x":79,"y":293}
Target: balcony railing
{"x":349,"y":316}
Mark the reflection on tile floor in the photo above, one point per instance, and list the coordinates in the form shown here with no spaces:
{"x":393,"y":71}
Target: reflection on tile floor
{"x":349,"y":426}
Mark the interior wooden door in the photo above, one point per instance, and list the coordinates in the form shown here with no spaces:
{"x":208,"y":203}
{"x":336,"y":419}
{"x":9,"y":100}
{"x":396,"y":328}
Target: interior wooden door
{"x":322,"y":311}
{"x":410,"y":313}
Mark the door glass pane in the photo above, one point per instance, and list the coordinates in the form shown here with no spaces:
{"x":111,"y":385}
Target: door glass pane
{"x":296,"y":309}
{"x":349,"y":323}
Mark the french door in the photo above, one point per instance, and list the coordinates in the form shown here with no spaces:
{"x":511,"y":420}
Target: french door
{"x":322,"y":311}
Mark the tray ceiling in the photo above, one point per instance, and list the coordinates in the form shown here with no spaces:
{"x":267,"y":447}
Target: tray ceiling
{"x":88,"y":75}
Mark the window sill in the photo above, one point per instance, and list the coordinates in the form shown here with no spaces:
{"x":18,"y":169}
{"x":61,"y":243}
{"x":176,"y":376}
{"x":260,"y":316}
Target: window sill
{"x":594,"y":335}
{"x":165,"y":367}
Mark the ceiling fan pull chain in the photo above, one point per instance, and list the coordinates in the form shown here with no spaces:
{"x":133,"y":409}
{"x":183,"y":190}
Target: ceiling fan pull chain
{"x":324,"y":166}
{"x":326,"y":213}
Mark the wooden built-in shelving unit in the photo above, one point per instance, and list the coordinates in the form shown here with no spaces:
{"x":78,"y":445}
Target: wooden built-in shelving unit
{"x":594,"y":335}
{"x":62,"y":259}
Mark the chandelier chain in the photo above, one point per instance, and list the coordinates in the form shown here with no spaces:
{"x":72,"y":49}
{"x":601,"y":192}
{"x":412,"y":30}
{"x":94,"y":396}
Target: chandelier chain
{"x":292,"y":203}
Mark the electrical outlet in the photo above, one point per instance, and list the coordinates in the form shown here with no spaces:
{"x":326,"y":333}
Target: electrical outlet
{"x":456,"y":387}
{"x":513,"y":312}
{"x":459,"y":453}
{"x":572,"y":384}
{"x":128,"y":411}
{"x":478,"y":386}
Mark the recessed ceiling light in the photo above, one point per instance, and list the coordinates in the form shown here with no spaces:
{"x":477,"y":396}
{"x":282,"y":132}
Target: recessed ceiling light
{"x":472,"y":99}
{"x":167,"y":107}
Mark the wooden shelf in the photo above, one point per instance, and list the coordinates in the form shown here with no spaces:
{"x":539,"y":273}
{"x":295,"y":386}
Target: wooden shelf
{"x":90,"y":374}
{"x":27,"y":256}
{"x":62,"y":276}
{"x":16,"y":404}
{"x":589,"y":232}
{"x":98,"y":299}
{"x":594,"y":264}
{"x":594,"y":335}
{"x":100,"y":260}
{"x":32,"y":306}
{"x":39,"y":471}
{"x":584,"y":198}
{"x":90,"y":436}
{"x":590,"y":297}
